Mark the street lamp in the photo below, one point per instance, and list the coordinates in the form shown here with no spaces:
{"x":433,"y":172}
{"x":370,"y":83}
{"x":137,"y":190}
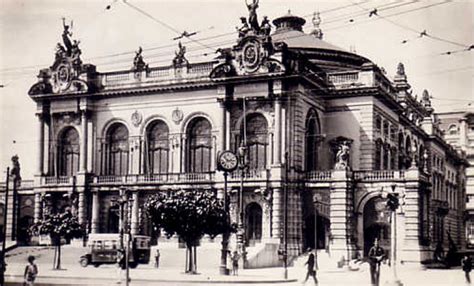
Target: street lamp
{"x":227,"y":162}
{"x":242,"y":153}
{"x":123,"y":202}
{"x":393,"y":202}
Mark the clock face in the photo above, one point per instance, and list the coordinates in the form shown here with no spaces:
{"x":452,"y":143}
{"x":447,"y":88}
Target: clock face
{"x":228,"y":161}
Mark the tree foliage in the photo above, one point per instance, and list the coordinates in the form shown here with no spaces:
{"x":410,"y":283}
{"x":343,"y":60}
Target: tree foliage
{"x":189,"y":214}
{"x":57,"y":226}
{"x":60,"y":225}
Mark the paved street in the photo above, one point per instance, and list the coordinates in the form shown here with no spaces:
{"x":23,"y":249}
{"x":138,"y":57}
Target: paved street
{"x":172,"y":274}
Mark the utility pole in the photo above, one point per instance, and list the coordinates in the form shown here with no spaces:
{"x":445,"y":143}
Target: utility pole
{"x":4,"y":233}
{"x":122,"y":202}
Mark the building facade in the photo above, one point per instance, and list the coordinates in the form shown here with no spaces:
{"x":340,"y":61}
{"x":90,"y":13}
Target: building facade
{"x":458,"y":130}
{"x":325,"y":133}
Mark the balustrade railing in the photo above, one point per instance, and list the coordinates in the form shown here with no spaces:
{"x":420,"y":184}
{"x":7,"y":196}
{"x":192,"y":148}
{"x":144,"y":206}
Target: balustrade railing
{"x":256,"y":174}
{"x":156,"y":178}
{"x":382,"y":175}
{"x":319,"y":175}
{"x":62,"y":180}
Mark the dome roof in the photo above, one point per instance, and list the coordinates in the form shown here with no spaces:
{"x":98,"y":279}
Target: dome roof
{"x":298,"y":39}
{"x":289,"y":29}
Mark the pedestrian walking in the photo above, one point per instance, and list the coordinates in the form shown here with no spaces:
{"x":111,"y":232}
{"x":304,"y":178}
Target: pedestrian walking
{"x":31,"y":271}
{"x":376,"y":255}
{"x":467,"y":267}
{"x":235,"y":262}
{"x":312,"y":266}
{"x":157,"y":258}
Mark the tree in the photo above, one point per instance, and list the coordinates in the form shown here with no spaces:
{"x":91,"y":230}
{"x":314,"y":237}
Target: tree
{"x":58,"y":226}
{"x":190,"y":215}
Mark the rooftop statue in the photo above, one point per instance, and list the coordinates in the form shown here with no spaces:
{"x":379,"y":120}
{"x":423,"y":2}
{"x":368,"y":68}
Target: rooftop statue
{"x":253,"y":21}
{"x":179,"y":58}
{"x":138,"y":62}
{"x":244,"y":28}
{"x":265,"y":27}
{"x":66,"y":34}
{"x":317,"y":32}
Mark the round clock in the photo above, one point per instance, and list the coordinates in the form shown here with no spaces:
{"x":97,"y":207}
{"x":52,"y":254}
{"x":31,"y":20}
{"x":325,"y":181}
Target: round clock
{"x":227,"y":161}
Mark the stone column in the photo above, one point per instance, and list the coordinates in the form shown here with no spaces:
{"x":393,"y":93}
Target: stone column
{"x":83,"y":152}
{"x":38,"y":209}
{"x":341,"y":216}
{"x":40,"y":158}
{"x":277,"y":213}
{"x":81,"y":208}
{"x":277,"y":132}
{"x":95,"y":212}
{"x":135,"y":221}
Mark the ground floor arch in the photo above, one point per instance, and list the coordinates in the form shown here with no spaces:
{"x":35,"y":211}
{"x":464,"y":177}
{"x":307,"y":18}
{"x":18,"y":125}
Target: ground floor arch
{"x":375,"y":224}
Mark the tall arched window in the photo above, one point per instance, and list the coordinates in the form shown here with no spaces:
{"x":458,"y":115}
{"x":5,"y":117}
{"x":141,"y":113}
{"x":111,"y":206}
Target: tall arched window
{"x":257,"y":140}
{"x":117,"y":150}
{"x":311,"y":151}
{"x":198,"y":146}
{"x":157,"y":144}
{"x":68,"y":151}
{"x":408,"y":151}
{"x":393,"y":158}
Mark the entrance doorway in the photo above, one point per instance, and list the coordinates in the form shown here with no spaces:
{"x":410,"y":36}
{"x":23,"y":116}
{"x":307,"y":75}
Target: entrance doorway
{"x":253,"y":223}
{"x":376,"y":224}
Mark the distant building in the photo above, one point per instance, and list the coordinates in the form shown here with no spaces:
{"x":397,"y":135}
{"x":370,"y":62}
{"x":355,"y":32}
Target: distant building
{"x":324,"y":124}
{"x":458,"y":130}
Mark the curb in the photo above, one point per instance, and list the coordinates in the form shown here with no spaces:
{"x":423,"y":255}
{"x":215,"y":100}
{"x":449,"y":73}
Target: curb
{"x":135,"y":280}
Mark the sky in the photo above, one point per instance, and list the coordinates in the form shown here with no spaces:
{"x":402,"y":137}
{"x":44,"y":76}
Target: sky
{"x":30,"y":29}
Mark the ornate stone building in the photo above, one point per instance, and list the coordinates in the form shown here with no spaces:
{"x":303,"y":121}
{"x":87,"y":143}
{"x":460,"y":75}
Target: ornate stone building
{"x":325,"y":132}
{"x":458,"y":130}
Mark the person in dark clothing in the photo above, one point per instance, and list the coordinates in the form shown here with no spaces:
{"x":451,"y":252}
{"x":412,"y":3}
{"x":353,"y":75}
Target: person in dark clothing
{"x":312,"y":265}
{"x":467,"y":267}
{"x":376,"y":255}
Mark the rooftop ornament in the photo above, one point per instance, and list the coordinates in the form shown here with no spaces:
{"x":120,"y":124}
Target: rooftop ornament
{"x":138,"y":62}
{"x":317,"y":32}
{"x":179,"y":59}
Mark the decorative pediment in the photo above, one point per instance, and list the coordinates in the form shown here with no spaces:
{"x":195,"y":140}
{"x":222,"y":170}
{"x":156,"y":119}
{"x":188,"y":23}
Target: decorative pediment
{"x":66,"y":73}
{"x":254,"y":53}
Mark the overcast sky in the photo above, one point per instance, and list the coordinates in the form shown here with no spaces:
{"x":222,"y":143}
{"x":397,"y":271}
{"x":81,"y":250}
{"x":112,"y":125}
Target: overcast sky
{"x":29,"y":31}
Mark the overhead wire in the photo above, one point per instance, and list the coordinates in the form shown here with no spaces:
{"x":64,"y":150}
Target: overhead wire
{"x":207,"y":46}
{"x":168,"y":45}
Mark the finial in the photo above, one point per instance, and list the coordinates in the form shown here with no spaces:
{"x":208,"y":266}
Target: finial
{"x":400,"y":69}
{"x":317,"y":32}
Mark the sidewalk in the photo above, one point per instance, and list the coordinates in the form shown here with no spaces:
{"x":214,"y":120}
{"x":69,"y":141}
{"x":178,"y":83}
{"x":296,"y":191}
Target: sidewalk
{"x":108,"y":275}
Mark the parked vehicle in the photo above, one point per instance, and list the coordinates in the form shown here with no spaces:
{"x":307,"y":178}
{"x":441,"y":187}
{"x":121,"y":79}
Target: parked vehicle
{"x":104,"y":247}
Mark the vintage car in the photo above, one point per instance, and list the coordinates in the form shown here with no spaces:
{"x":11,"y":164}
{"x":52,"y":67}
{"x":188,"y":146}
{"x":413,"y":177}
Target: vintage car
{"x":104,"y":248}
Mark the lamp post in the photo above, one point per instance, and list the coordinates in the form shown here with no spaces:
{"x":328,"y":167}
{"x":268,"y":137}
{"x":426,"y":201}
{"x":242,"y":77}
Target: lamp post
{"x":226,"y":162}
{"x":242,"y":153}
{"x":122,"y":202}
{"x":393,"y":202}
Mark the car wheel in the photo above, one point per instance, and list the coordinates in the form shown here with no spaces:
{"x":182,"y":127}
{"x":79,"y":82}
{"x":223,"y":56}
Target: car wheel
{"x":84,"y":261}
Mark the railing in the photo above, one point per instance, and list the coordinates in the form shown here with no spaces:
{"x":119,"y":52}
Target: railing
{"x":114,"y":77}
{"x":156,"y":178}
{"x":319,"y":175}
{"x":375,"y":176}
{"x":250,"y":174}
{"x":343,"y":78}
{"x":62,"y":180}
{"x":202,"y":68}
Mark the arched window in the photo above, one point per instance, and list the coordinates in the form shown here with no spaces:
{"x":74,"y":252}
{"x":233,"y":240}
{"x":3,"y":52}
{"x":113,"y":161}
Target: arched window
{"x":312,"y":133}
{"x":117,"y":150}
{"x":68,"y":151}
{"x":198,"y":146}
{"x":257,"y":140}
{"x":408,"y":151}
{"x":253,"y":223}
{"x":157,"y":144}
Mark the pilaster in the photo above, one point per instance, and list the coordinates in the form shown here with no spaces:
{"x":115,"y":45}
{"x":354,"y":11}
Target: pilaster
{"x":95,"y":212}
{"x":341,"y":216}
{"x":277,"y":212}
